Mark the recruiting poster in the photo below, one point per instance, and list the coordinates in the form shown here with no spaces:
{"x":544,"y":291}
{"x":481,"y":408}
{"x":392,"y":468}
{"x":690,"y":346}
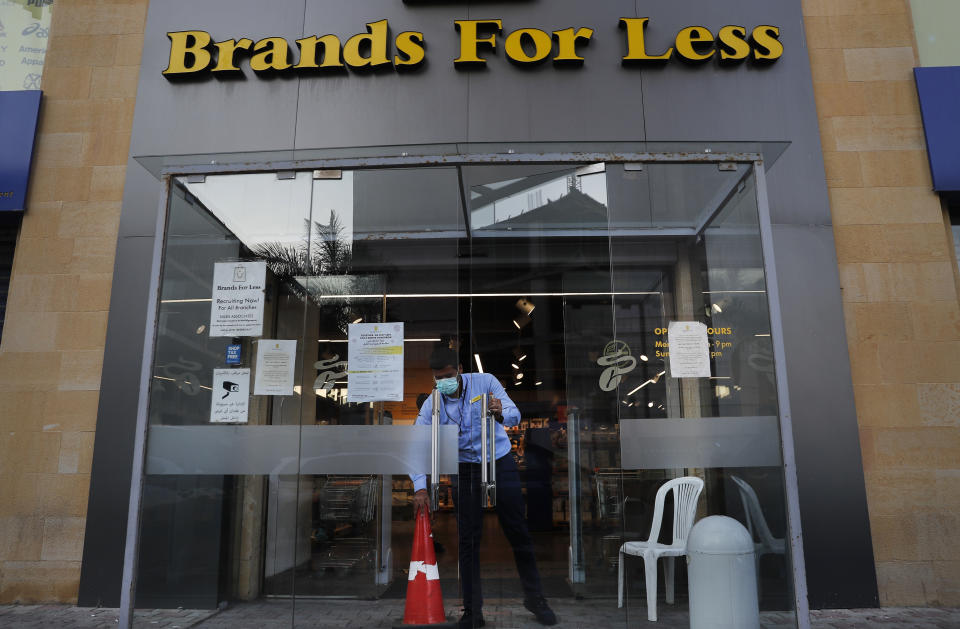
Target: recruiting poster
{"x":237,"y":305}
{"x":689,"y":349}
{"x":24,"y":31}
{"x":375,"y":357}
{"x":275,"y":363}
{"x":231,"y":394}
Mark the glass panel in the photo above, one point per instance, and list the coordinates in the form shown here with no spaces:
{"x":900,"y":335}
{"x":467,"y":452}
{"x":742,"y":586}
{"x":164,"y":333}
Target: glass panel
{"x":212,"y":535}
{"x":386,"y":252}
{"x":541,"y":315}
{"x":722,"y":427}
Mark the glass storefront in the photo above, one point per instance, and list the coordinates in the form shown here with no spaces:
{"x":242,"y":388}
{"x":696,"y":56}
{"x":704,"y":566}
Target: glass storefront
{"x":560,"y":279}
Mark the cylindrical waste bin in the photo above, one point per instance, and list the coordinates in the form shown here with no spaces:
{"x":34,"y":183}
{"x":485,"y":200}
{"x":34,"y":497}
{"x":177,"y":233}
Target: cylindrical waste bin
{"x":721,"y":575}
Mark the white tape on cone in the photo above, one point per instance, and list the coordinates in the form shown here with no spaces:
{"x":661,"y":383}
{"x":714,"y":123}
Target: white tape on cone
{"x":416,"y":567}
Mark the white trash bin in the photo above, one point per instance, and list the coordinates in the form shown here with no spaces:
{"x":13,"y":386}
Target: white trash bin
{"x":721,"y":575}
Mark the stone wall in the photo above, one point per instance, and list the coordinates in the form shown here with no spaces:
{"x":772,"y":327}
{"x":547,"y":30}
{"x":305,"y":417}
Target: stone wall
{"x":897,"y":272}
{"x":52,"y":346}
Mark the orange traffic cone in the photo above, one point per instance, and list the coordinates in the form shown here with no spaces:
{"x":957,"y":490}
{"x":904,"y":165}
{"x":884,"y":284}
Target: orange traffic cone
{"x":424,"y":598}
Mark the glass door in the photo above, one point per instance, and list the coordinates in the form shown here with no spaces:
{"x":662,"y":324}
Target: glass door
{"x":302,"y":318}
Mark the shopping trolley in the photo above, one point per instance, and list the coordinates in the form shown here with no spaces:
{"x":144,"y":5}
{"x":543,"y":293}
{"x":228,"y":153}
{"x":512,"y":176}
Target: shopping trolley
{"x":346,"y":503}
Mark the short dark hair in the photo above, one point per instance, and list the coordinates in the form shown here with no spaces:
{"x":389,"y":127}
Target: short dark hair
{"x":443,"y":356}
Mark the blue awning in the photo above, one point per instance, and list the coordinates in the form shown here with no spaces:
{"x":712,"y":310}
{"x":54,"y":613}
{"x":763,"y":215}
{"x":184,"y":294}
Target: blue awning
{"x":18,"y":126}
{"x":939,"y":90}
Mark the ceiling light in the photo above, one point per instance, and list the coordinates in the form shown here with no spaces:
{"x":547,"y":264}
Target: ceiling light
{"x":717,"y":308}
{"x":201,"y":328}
{"x":521,"y":321}
{"x":519,"y":376}
{"x":650,"y":404}
{"x":644,"y":358}
{"x":522,"y":358}
{"x":515,"y":365}
{"x":538,"y":383}
{"x":359,"y":320}
{"x":525,"y":306}
{"x":476,"y":357}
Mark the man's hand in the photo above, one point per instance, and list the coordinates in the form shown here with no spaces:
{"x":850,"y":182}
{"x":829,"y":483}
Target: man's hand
{"x":421,"y":500}
{"x":495,"y":406}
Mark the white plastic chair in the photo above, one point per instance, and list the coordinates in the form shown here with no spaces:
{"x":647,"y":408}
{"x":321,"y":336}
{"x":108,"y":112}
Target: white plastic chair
{"x":686,"y":492}
{"x":757,"y":524}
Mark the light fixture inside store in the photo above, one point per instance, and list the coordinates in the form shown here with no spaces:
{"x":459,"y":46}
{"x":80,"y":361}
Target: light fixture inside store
{"x":515,"y":365}
{"x":650,"y":404}
{"x":525,"y":306}
{"x":359,"y":319}
{"x":644,"y":358}
{"x":538,"y":383}
{"x":519,"y":376}
{"x":522,"y":358}
{"x":717,"y":308}
{"x":201,"y":329}
{"x":476,"y":357}
{"x":521,"y":321}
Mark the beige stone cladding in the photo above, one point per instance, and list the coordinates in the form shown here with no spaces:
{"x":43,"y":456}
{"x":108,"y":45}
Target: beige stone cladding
{"x":897,"y":274}
{"x":53,"y":337}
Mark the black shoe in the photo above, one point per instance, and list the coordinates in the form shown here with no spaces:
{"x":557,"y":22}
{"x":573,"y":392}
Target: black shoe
{"x":469,"y":621}
{"x":540,"y":609}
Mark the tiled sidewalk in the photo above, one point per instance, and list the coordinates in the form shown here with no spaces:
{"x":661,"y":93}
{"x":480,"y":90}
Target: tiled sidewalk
{"x":507,"y":614}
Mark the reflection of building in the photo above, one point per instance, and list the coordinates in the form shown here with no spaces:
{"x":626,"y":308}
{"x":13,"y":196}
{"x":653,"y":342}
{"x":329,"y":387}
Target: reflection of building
{"x":68,"y":380}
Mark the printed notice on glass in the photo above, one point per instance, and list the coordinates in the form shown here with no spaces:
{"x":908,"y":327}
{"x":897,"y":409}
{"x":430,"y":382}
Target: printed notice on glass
{"x":231,"y":394}
{"x":375,"y":359}
{"x":689,"y":349}
{"x":275,"y":363}
{"x":237,"y":305}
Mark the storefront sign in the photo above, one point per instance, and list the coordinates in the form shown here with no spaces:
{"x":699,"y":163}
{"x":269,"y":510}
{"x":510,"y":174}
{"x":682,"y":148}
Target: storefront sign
{"x":18,"y":125}
{"x":375,"y":354}
{"x":230,"y":396}
{"x":194,"y":52}
{"x":275,"y":365}
{"x":939,"y":91}
{"x":237,"y":305}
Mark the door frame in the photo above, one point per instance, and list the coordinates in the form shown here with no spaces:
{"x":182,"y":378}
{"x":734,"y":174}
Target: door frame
{"x":405,"y":159}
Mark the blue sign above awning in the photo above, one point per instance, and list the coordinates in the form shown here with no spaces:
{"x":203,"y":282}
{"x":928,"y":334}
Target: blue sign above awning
{"x":939,"y":90}
{"x":18,"y":126}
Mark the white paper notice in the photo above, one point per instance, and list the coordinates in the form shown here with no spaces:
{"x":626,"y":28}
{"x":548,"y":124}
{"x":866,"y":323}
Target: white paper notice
{"x":275,"y":363}
{"x":231,"y":393}
{"x":689,"y":349}
{"x":375,"y":359}
{"x":237,"y":305}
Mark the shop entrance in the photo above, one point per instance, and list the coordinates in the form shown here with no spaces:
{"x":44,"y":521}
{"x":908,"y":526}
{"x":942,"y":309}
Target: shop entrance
{"x":280,"y":448}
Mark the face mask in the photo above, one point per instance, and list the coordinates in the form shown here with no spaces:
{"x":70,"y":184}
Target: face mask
{"x":448,"y":386}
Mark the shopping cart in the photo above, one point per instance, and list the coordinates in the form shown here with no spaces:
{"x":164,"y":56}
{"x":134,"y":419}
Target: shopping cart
{"x":613,"y":509}
{"x":346,"y":503}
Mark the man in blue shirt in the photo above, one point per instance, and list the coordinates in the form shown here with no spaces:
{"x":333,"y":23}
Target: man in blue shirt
{"x":460,"y":397}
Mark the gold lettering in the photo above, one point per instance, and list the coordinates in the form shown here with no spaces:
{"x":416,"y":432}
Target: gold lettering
{"x":733,"y":43}
{"x":410,"y":49}
{"x":766,"y":45}
{"x":636,"y":46}
{"x":226,"y":51}
{"x":273,"y":55}
{"x":542,"y":46}
{"x":183,"y":43}
{"x":470,"y":41}
{"x":308,"y":52}
{"x":376,"y":39}
{"x":567,"y":44}
{"x":692,"y":38}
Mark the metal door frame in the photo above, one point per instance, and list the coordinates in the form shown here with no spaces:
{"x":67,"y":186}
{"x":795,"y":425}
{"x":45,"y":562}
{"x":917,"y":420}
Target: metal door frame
{"x":404,"y":160}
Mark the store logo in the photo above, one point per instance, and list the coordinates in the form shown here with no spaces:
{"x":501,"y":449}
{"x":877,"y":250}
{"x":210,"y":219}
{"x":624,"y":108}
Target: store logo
{"x":194,"y":53}
{"x":618,"y":362}
{"x":331,"y":370}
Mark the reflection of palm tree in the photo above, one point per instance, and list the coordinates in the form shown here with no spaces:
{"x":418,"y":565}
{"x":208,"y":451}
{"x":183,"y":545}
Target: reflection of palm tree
{"x":326,"y":253}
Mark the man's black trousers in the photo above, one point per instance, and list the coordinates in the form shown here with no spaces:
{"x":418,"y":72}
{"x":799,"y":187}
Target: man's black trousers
{"x":510,"y":511}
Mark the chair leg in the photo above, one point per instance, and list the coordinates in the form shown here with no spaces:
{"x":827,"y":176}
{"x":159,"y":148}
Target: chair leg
{"x":668,"y":572}
{"x":650,"y":569}
{"x":620,"y":581}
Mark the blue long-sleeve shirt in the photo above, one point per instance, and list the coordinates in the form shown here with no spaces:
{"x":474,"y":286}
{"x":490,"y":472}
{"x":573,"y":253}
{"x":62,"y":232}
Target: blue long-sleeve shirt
{"x":464,"y":411}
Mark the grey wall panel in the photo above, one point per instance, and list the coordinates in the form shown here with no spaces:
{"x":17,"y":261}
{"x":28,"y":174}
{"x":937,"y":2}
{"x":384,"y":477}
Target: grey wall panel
{"x":141,"y":197}
{"x":214,"y":115}
{"x":428,"y":105}
{"x":833,"y":504}
{"x":544,"y":103}
{"x":105,"y":532}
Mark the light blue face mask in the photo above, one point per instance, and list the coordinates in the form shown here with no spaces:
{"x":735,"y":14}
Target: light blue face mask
{"x":448,"y":386}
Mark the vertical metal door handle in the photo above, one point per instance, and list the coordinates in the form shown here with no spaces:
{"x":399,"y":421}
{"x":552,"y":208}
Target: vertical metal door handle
{"x":435,"y":451}
{"x":488,"y":454}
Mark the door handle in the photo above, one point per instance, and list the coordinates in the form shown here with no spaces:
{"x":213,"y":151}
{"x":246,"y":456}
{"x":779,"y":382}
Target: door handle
{"x":488,"y":454}
{"x":435,"y":451}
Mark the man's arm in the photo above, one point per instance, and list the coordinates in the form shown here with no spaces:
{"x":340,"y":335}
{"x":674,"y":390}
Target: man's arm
{"x":424,"y":418}
{"x":509,"y":410}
